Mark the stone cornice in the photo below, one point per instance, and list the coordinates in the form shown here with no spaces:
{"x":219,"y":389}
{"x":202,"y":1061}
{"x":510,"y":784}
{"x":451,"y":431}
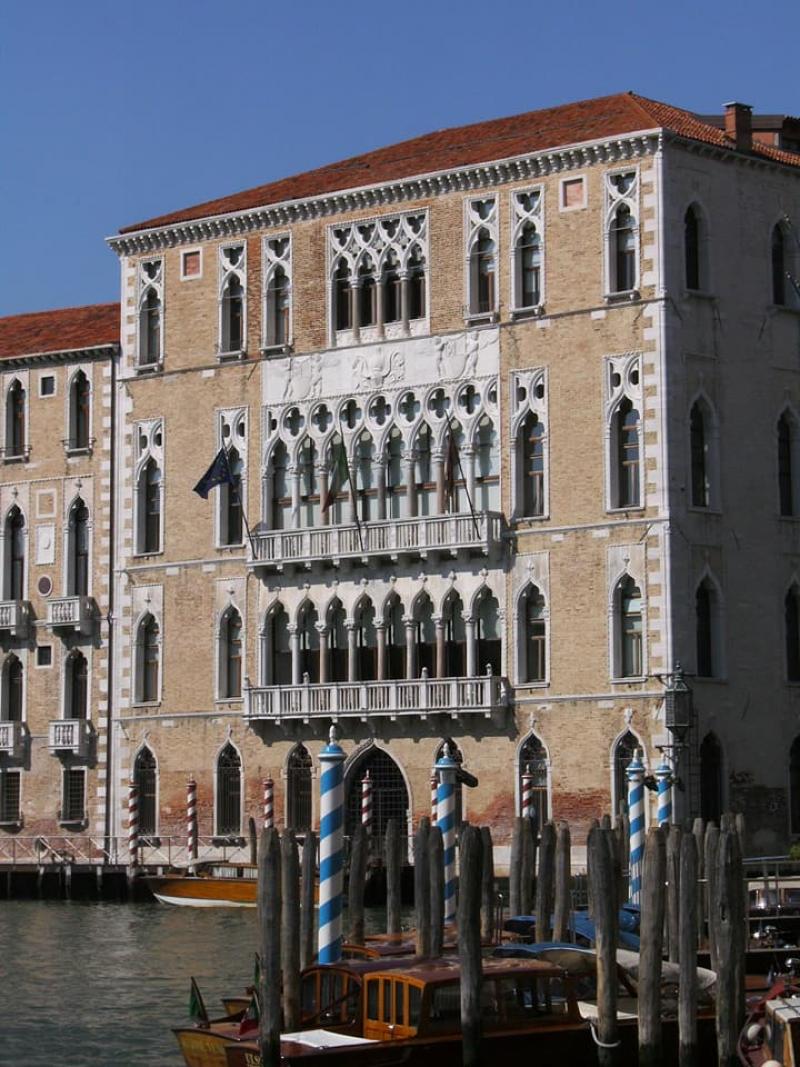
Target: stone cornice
{"x":403,"y":191}
{"x":68,"y":355}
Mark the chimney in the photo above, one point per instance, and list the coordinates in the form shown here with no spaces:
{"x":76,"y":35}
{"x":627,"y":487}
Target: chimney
{"x":739,"y":125}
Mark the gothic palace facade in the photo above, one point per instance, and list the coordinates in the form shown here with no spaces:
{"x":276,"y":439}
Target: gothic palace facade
{"x":512,"y":417}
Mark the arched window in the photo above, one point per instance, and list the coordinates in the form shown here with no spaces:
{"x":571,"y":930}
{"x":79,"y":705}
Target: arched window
{"x":230,"y":503}
{"x":389,"y":794}
{"x":425,"y":486}
{"x":488,"y":645}
{"x":482,"y":274}
{"x":76,"y":702}
{"x":533,"y":631}
{"x":367,"y":295}
{"x":366,"y":641}
{"x":624,"y":751}
{"x":791,"y":609}
{"x":144,"y":776}
{"x":15,"y":555}
{"x":278,"y":300}
{"x":456,"y":755}
{"x":337,"y":643}
{"x":699,"y":447}
{"x":710,"y":779}
{"x":425,"y":637}
{"x":396,"y":489}
{"x":149,"y":651}
{"x":150,"y":329}
{"x":149,"y":508}
{"x":487,"y":474}
{"x":533,"y":764}
{"x":366,"y":490}
{"x":78,"y":563}
{"x":229,"y":793}
{"x":692,"y":229}
{"x":794,"y":787}
{"x":342,"y":303}
{"x":531,"y":453}
{"x":623,"y":250}
{"x":230,"y":639}
{"x":455,"y":487}
{"x":788,"y":467}
{"x":395,"y":639}
{"x":277,"y":653}
{"x":11,"y":710}
{"x":15,"y":420}
{"x":416,"y":286}
{"x":627,"y":459}
{"x":232,"y":310}
{"x":298,"y":789}
{"x":308,"y":637}
{"x":79,"y":398}
{"x":392,"y":290}
{"x":309,"y":484}
{"x":455,"y":637}
{"x":529,"y":266}
{"x":778,"y":248}
{"x":705,"y":625}
{"x":629,"y":636}
{"x":278,"y":489}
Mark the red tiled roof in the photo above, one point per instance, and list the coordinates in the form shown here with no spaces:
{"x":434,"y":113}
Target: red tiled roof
{"x":59,"y":331}
{"x":480,"y":142}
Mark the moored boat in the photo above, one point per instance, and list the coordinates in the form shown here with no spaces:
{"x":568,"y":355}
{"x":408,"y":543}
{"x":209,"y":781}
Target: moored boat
{"x":212,"y":885}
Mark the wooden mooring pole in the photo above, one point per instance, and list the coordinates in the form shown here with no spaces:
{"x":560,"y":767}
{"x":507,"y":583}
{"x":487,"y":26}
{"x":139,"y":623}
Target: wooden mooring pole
{"x":711,"y":847}
{"x":290,"y":931}
{"x":514,"y":864}
{"x":652,"y":937}
{"x":355,"y":883}
{"x":269,"y":918}
{"x":545,"y":882}
{"x":469,"y":944}
{"x":728,"y":924}
{"x":422,"y":899}
{"x":487,"y":887}
{"x":601,"y":851}
{"x":563,"y":883}
{"x":436,"y":905}
{"x":394,"y":867}
{"x":673,"y":889}
{"x":308,"y":879}
{"x":687,"y":952}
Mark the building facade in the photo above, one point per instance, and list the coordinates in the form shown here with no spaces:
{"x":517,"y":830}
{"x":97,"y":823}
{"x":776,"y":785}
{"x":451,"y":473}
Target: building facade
{"x":511,"y":419}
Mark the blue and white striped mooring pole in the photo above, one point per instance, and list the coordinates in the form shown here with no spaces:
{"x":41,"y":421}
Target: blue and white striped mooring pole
{"x":446,"y":768}
{"x":635,"y":775}
{"x":664,"y":780}
{"x":331,"y":832}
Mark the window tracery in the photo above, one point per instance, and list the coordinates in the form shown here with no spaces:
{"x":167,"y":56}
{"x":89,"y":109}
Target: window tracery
{"x":232,"y":436}
{"x":622,"y":232}
{"x":149,"y":496}
{"x":625,"y":440}
{"x":151,"y":318}
{"x":232,"y":300}
{"x":527,"y":267}
{"x":277,"y":274}
{"x":482,"y":241}
{"x":530,"y":453}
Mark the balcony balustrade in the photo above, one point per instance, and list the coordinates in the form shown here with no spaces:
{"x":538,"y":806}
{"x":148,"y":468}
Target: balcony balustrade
{"x":15,"y":617}
{"x":12,"y":739}
{"x":70,"y":735}
{"x":71,"y":613}
{"x":397,"y":698}
{"x":389,"y":538}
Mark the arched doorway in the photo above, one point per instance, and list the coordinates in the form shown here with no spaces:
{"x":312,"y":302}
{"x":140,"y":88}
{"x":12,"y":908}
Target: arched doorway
{"x":389,"y":794}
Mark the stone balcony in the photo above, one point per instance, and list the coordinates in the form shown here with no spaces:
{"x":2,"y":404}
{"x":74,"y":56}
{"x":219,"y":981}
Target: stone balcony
{"x":15,"y":617}
{"x":71,"y":613}
{"x":419,"y":697}
{"x":70,"y":735}
{"x":391,"y":539}
{"x":12,"y":739}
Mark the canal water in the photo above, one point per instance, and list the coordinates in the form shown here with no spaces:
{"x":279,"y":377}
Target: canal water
{"x":100,"y":985}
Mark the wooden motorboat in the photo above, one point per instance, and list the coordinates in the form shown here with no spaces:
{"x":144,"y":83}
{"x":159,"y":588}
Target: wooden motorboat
{"x":771,"y":1033}
{"x":211,"y":885}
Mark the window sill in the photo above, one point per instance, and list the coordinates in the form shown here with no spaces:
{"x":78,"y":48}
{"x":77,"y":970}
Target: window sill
{"x":150,"y":368}
{"x":482,"y":318}
{"x":74,"y":824}
{"x":11,"y":824}
{"x":229,"y":700}
{"x":624,"y":511}
{"x":534,"y":312}
{"x":232,"y":357}
{"x":233,"y":544}
{"x":148,"y":555}
{"x":635,"y":679}
{"x":146,"y":703}
{"x":624,"y":296}
{"x":276,"y":350}
{"x":530,"y":518}
{"x":87,"y":451}
{"x":21,"y":457}
{"x":533,"y":685}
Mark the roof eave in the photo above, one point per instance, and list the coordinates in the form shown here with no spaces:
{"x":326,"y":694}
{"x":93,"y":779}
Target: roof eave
{"x":62,"y":355}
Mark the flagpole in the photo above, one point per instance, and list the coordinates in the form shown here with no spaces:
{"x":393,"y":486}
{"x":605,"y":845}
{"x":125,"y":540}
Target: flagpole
{"x":452,"y":444}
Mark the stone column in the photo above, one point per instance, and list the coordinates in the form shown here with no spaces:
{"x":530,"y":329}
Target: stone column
{"x":468,"y":459}
{"x":352,"y":651}
{"x":322,"y":481}
{"x":294,"y":474}
{"x":469,"y":627}
{"x":324,"y":652}
{"x":410,"y":657}
{"x":380,"y":637}
{"x":409,"y":462}
{"x":294,"y":646}
{"x":380,"y":475}
{"x":405,"y":300}
{"x":355,"y":290}
{"x":438,"y":623}
{"x":379,"y":312}
{"x":437,"y":460}
{"x":269,"y":504}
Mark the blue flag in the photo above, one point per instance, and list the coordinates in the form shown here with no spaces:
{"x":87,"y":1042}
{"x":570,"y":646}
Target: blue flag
{"x":217,"y":473}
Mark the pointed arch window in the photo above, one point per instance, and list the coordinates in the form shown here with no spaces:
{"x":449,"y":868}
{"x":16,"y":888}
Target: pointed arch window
{"x":392,"y":290}
{"x":230,"y":641}
{"x":230,"y":503}
{"x":277,"y":654}
{"x":622,"y":236}
{"x":487,"y":474}
{"x":78,"y":564}
{"x":232,"y":300}
{"x":529,"y":266}
{"x":488,"y":644}
{"x":534,"y":765}
{"x":365,"y":642}
{"x":482,"y":274}
{"x":692,"y":249}
{"x":76,"y":697}
{"x":308,"y":640}
{"x":278,"y":304}
{"x":309,"y":483}
{"x":149,"y":508}
{"x":455,"y":638}
{"x":630,"y":662}
{"x":624,"y":751}
{"x":13,"y":686}
{"x":791,"y":614}
{"x":15,"y":554}
{"x":15,"y":420}
{"x":229,"y":793}
{"x":626,"y":429}
{"x":79,"y":412}
{"x":144,"y":776}
{"x":389,"y":794}
{"x":425,"y":486}
{"x":298,"y":789}
{"x":710,"y":779}
{"x":367,"y":295}
{"x":342,"y":301}
{"x":337,"y":643}
{"x":788,"y":465}
{"x":533,"y":629}
{"x":395,"y":640}
{"x":396,"y":489}
{"x":366,"y":489}
{"x":779,"y":266}
{"x":149,"y":654}
{"x":425,"y":638}
{"x":794,"y":787}
{"x":699,"y":446}
{"x":531,"y":451}
{"x":150,"y":329}
{"x":416,"y":286}
{"x":705,"y":627}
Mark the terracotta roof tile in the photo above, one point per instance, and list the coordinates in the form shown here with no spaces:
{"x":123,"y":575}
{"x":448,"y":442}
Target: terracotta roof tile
{"x":480,"y":142}
{"x":59,"y":331}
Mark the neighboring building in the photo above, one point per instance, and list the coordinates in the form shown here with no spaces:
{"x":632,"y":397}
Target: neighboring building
{"x":512,"y":410}
{"x":57,"y":373}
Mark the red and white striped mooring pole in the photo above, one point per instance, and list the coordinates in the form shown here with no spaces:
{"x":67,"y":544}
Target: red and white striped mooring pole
{"x":133,"y":823}
{"x":366,"y":803}
{"x":269,"y":803}
{"x":191,"y":819}
{"x":434,"y":800}
{"x":527,"y":797}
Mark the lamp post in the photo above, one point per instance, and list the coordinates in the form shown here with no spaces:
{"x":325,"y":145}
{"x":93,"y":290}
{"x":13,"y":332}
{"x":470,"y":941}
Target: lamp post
{"x":679,"y":718}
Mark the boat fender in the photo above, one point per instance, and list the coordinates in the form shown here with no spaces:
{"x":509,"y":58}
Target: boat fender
{"x":770,"y":1063}
{"x":753,"y":1033}
{"x":609,"y":1044}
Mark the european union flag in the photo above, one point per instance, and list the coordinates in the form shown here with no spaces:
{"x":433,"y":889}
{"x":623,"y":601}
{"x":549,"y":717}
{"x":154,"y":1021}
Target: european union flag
{"x":217,"y":473}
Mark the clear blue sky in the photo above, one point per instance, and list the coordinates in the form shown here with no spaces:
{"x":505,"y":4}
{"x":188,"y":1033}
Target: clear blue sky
{"x":113,"y":112}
